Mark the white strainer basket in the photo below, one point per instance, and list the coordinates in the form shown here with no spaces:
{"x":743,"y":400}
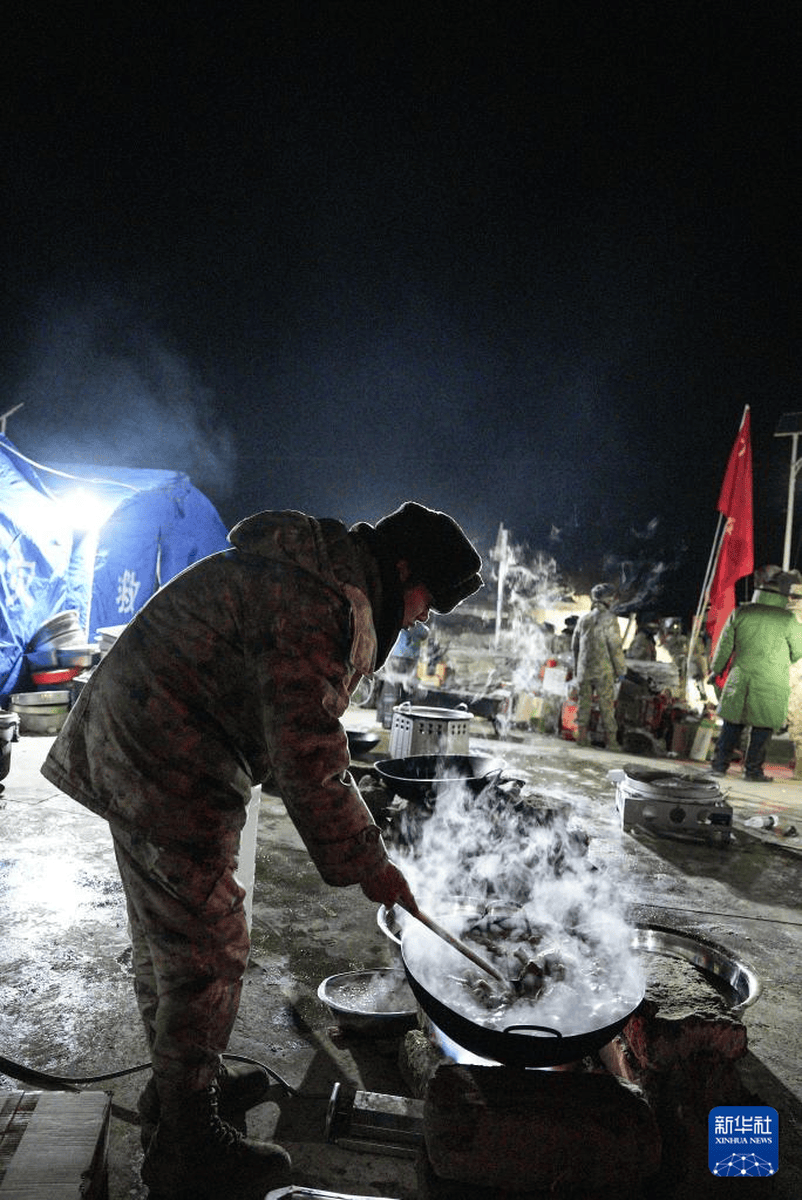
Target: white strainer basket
{"x":429,"y":731}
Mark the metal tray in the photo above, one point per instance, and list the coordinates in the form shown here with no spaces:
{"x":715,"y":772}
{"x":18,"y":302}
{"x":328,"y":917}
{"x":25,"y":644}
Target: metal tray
{"x":42,"y":659}
{"x":62,"y":623}
{"x":78,"y":656}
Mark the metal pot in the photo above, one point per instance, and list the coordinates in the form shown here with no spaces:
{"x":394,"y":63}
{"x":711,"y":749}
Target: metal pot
{"x":517,"y":1045}
{"x":423,"y":775}
{"x":429,"y":730}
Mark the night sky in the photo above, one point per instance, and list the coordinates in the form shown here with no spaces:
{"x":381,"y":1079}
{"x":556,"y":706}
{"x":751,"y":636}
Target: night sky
{"x":523,"y":262}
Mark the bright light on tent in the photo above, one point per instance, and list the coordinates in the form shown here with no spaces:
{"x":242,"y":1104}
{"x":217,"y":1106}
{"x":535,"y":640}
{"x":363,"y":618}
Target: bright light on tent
{"x":87,"y":511}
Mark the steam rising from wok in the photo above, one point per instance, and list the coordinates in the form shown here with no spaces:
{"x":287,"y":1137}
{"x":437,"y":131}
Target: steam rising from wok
{"x":537,"y":895}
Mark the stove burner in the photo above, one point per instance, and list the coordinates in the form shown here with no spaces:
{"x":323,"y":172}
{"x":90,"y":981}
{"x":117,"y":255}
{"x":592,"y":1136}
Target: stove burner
{"x":683,"y":805}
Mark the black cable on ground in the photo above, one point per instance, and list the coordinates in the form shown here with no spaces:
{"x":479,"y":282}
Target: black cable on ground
{"x":74,"y":1083}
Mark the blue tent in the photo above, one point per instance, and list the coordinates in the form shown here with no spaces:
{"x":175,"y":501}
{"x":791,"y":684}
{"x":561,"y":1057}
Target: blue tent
{"x":103,"y":546}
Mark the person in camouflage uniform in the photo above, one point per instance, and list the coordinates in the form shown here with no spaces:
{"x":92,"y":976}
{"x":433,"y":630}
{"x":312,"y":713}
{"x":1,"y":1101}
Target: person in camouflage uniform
{"x":677,"y":643}
{"x":642,"y":647}
{"x":240,"y":669}
{"x":598,"y":663}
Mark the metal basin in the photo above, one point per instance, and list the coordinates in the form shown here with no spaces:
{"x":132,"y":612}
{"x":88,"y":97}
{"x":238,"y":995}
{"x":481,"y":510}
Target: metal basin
{"x":78,"y":656}
{"x":21,"y":701}
{"x":738,"y":982}
{"x":57,"y":630}
{"x":375,"y":1003}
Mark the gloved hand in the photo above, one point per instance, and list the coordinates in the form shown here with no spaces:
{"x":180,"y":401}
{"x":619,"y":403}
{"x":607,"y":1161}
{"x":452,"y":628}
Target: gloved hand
{"x":388,"y":886}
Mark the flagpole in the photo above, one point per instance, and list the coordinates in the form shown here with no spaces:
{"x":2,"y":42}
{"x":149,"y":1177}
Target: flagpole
{"x":704,"y":596}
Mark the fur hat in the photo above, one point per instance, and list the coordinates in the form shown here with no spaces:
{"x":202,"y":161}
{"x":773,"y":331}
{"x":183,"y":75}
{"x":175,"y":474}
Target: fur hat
{"x":602,"y":593}
{"x":774,"y":579}
{"x":437,"y":550}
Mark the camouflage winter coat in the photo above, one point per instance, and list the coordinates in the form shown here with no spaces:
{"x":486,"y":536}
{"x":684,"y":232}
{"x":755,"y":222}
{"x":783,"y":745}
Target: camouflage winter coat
{"x":239,"y":668}
{"x":762,"y":639}
{"x":596,"y":644}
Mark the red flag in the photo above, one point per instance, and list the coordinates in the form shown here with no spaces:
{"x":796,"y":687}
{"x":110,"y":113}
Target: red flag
{"x":736,"y":556}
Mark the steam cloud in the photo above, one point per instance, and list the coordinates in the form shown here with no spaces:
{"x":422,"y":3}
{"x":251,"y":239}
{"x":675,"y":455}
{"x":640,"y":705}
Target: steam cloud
{"x":103,"y":389}
{"x":638,"y":578}
{"x":521,"y":860}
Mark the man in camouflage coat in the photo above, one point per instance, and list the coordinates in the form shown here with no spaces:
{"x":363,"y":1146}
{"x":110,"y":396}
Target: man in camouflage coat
{"x":598,"y":663}
{"x":240,"y":669}
{"x":759,"y":642}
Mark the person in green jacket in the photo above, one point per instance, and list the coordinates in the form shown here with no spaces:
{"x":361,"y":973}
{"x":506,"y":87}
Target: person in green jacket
{"x":758,"y":643}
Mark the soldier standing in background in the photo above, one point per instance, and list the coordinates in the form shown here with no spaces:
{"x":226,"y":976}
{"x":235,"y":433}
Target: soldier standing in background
{"x":642,"y":647}
{"x":676,"y":643}
{"x":598,"y":664}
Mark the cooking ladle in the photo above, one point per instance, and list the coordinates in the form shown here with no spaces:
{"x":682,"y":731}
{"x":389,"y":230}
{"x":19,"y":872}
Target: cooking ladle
{"x":517,"y":985}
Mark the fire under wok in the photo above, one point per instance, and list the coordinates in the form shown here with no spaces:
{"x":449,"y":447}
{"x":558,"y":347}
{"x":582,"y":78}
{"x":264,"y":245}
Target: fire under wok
{"x":514,"y":1039}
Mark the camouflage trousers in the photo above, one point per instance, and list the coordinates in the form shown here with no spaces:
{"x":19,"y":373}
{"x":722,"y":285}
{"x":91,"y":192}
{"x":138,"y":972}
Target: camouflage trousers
{"x":604,"y":690}
{"x":190,"y":949}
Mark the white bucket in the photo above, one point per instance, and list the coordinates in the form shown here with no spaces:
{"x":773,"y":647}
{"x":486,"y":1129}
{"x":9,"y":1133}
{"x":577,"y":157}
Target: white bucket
{"x":246,"y":868}
{"x":700,"y":747}
{"x":429,"y":731}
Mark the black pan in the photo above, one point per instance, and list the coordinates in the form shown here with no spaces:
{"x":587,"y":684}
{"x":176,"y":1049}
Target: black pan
{"x":517,"y":1045}
{"x":423,"y":775}
{"x":361,"y":741}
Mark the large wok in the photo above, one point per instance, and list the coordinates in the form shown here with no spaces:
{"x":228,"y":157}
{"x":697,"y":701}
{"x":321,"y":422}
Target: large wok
{"x":516,"y":1045}
{"x":422,"y":776}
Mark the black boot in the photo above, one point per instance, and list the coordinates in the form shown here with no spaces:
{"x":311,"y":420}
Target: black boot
{"x":241,"y":1086}
{"x":194,"y":1154}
